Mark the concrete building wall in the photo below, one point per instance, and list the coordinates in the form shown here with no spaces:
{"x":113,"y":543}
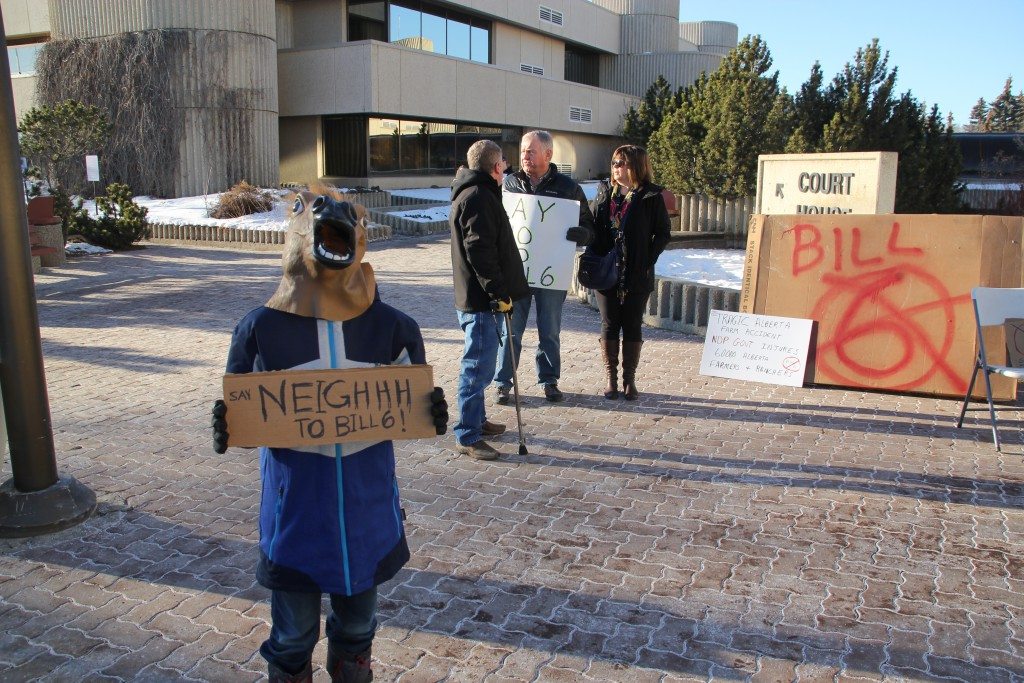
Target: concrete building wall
{"x":317,"y":23}
{"x":583,"y":22}
{"x":225,"y":80}
{"x":713,"y":37}
{"x":300,"y":145}
{"x":513,"y":46}
{"x":24,"y":89}
{"x":633,"y":74}
{"x":25,"y":17}
{"x":378,"y":78}
{"x":588,"y":155}
{"x":98,"y":18}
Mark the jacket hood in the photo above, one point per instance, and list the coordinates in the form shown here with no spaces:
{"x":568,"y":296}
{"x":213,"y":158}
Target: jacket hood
{"x":467,"y":178}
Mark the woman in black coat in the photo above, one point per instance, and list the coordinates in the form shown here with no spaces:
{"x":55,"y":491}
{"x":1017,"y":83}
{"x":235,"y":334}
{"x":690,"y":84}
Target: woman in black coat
{"x":630,"y":214}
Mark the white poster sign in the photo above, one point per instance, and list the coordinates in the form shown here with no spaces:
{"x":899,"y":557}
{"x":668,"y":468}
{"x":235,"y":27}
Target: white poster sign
{"x":539,"y":224}
{"x":92,"y":167}
{"x":759,"y":348}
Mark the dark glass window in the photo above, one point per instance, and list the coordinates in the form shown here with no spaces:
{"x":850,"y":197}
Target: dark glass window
{"x":345,"y":146}
{"x":442,"y":147}
{"x":384,"y":142}
{"x":582,"y":66}
{"x":356,"y":146}
{"x":480,"y":43}
{"x":458,"y":39}
{"x":414,"y":148}
{"x":404,"y":26}
{"x":367,"y":20}
{"x":434,"y":33}
{"x":421,"y":25}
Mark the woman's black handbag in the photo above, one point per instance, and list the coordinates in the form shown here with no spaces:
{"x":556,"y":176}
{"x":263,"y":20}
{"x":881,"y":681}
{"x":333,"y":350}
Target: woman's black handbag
{"x":599,"y":272}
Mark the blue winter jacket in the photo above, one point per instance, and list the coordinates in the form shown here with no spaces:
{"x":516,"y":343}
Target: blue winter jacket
{"x":330,"y":516}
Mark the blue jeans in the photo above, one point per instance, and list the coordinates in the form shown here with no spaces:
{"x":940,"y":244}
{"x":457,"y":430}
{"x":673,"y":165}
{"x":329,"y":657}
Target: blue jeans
{"x":478,"y":358}
{"x":295,"y":626}
{"x":549,"y":325}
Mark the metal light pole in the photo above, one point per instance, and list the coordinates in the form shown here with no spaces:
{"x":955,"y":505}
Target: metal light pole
{"x":35,"y":500}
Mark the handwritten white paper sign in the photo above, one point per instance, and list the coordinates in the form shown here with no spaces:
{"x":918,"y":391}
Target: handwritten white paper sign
{"x":760,"y":348}
{"x":539,"y":224}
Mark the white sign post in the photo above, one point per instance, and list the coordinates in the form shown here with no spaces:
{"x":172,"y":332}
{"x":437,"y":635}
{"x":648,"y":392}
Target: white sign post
{"x":760,"y":348}
{"x":539,"y":225}
{"x":92,"y":168}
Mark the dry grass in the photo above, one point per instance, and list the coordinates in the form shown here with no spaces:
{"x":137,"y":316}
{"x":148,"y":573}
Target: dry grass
{"x":242,"y":200}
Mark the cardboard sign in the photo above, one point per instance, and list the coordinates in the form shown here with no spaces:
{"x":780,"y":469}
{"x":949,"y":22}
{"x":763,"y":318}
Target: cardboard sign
{"x":830,"y":183}
{"x":312,"y":407}
{"x":1014,"y":331}
{"x":759,"y":348}
{"x":891,"y":294}
{"x":92,"y":168}
{"x":539,"y":225}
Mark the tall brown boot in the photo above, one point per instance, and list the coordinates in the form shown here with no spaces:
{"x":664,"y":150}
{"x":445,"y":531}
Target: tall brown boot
{"x":630,"y":359}
{"x":610,"y":354}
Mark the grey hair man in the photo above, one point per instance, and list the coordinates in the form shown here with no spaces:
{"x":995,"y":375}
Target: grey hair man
{"x":488,"y":275}
{"x":537,"y":175}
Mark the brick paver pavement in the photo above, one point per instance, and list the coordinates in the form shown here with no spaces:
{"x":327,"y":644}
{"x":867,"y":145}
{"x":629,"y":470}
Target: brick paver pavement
{"x":715,"y":529}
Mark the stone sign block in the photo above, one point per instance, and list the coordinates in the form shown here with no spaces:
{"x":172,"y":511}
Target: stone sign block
{"x":843,"y":182}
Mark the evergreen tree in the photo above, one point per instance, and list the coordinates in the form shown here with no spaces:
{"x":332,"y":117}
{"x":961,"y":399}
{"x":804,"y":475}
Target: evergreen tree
{"x":745,"y":114}
{"x":813,"y":108}
{"x":869,"y":117}
{"x":863,"y":93}
{"x":979,"y":116}
{"x":641,"y":122}
{"x":57,"y":138}
{"x":1004,"y":114}
{"x":674,"y":146}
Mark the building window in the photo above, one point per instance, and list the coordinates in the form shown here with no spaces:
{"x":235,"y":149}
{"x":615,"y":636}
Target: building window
{"x":582,"y":66}
{"x":360,"y":146}
{"x":367,"y":20}
{"x":23,"y":58}
{"x":345,"y":146}
{"x":384,"y":145}
{"x":423,"y":26}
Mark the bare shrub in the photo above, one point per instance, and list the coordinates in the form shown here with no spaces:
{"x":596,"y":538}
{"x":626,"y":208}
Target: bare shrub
{"x":242,"y":200}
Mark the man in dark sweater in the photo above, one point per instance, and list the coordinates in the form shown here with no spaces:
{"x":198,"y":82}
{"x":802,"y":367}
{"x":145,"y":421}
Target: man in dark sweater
{"x":488,"y":275}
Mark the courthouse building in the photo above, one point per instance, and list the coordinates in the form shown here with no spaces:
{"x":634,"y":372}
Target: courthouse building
{"x":382,"y":92}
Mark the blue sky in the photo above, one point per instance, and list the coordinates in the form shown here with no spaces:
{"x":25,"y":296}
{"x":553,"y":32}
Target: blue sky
{"x":948,"y":53}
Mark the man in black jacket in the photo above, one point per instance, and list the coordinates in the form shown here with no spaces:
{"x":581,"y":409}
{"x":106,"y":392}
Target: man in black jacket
{"x":537,"y":175}
{"x":488,"y":275}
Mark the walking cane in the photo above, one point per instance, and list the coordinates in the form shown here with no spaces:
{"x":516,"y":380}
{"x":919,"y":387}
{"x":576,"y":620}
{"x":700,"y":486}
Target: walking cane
{"x":515,"y":379}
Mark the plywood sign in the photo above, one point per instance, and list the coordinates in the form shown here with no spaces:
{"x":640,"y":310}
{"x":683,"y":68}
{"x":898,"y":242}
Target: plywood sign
{"x":312,"y":407}
{"x":758,"y":348}
{"x":891,"y":294}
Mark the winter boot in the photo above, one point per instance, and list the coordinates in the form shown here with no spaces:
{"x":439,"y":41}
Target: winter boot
{"x":348,"y":668}
{"x":610,"y":354}
{"x":277,"y":675}
{"x":630,"y":359}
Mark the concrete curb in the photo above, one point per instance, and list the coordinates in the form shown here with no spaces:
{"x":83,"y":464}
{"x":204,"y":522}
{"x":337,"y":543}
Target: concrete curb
{"x":675,"y":304}
{"x":256,"y":240}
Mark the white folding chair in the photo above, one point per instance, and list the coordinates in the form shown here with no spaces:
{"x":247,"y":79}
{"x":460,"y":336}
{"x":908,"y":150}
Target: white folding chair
{"x":992,"y":306}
